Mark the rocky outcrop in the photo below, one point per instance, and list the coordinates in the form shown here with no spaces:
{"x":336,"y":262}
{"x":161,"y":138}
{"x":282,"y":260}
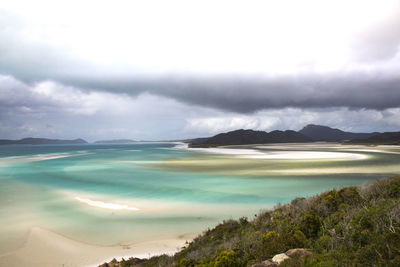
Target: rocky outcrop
{"x":267,"y":263}
{"x":279,"y":258}
{"x":301,"y":252}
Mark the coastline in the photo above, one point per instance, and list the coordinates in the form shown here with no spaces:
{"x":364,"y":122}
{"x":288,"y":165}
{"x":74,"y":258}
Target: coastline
{"x":63,"y":251}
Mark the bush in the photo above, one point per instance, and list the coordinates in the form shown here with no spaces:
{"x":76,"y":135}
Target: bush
{"x":323,"y":244}
{"x":310,"y":224}
{"x":227,"y":259}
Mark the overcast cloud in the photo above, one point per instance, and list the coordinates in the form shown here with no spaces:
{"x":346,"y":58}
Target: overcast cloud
{"x":156,"y":70}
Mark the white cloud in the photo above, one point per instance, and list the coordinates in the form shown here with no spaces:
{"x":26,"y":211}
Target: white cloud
{"x":295,"y":119}
{"x":49,"y":97}
{"x":184,"y":36}
{"x":50,"y":109}
{"x":231,"y":55}
{"x":214,"y":125}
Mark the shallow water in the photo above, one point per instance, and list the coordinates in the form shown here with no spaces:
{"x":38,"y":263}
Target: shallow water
{"x":78,"y":190}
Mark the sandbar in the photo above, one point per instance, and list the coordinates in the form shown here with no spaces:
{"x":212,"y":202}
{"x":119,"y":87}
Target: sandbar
{"x":281,"y":155}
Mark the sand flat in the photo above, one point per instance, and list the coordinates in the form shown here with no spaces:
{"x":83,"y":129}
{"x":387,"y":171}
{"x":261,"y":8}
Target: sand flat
{"x":257,"y":152}
{"x":49,"y":249}
{"x":42,"y":157}
{"x":105,"y":205}
{"x":308,"y":155}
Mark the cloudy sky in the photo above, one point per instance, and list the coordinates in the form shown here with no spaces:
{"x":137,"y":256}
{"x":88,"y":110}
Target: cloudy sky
{"x":177,"y":69}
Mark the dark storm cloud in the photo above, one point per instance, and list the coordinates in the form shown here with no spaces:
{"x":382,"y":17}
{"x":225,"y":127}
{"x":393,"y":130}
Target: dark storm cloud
{"x":370,"y":87}
{"x":246,"y":94}
{"x":249,"y":94}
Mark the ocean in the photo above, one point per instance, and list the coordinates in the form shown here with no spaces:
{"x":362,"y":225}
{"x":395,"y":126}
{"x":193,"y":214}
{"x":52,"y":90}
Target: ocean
{"x":122,"y":195}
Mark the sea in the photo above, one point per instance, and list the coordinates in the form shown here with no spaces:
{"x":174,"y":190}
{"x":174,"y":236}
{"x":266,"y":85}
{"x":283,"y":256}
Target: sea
{"x":110,"y":194}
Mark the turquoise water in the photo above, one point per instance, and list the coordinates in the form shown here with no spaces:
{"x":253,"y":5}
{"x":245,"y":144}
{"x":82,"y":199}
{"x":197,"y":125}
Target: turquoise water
{"x":39,"y":186}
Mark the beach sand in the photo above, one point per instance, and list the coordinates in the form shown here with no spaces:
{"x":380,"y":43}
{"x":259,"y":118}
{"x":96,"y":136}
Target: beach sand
{"x":310,"y":159}
{"x":48,"y":249}
{"x":258,"y":152}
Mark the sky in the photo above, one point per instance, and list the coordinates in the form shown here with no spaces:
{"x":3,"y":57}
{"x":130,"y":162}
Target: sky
{"x":162,"y":70}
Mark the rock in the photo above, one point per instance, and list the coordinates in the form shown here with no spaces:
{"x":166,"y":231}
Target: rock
{"x":269,"y":263}
{"x":266,"y":263}
{"x":279,"y":258}
{"x":298,"y":251}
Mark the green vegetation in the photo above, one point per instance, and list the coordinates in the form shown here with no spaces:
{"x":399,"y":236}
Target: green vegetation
{"x":388,"y":138}
{"x":244,"y":137}
{"x":353,"y":226}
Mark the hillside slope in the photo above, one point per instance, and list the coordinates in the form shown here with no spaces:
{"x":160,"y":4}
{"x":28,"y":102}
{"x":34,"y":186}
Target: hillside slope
{"x":243,"y":137}
{"x":353,"y":226}
{"x":325,"y":133}
{"x":388,"y":138}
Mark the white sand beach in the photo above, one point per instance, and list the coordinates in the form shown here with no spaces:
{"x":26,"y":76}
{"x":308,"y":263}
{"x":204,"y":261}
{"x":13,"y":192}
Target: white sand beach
{"x":308,"y":155}
{"x":49,"y":249}
{"x":289,"y":153}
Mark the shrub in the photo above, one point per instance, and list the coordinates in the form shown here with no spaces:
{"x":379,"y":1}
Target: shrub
{"x":227,"y":259}
{"x":310,"y":224}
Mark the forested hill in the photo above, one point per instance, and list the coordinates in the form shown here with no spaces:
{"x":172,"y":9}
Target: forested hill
{"x":324,"y":133}
{"x":242,"y":137}
{"x":352,"y":226}
{"x":388,"y":138}
{"x":309,"y":133}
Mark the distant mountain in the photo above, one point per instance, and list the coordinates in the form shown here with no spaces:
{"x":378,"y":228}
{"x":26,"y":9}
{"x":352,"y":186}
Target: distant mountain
{"x":388,"y":138}
{"x":41,"y":141}
{"x":116,"y":141}
{"x":324,"y":133}
{"x":309,"y":133}
{"x":243,"y":137}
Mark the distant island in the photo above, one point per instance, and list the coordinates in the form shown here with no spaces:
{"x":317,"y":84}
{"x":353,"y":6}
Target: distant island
{"x":41,"y":141}
{"x":310,"y":133}
{"x":115,"y":141}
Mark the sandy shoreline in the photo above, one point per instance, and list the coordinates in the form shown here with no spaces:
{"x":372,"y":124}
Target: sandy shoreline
{"x":257,"y":152}
{"x":49,"y":249}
